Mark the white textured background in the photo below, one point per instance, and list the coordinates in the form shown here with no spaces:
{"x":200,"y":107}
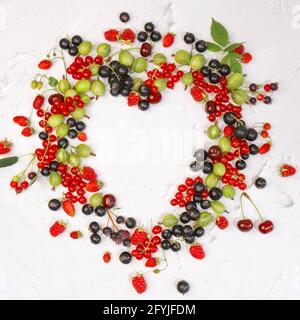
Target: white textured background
{"x":244,"y":266}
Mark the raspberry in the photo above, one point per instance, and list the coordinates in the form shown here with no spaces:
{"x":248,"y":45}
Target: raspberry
{"x":57,"y":228}
{"x":128,"y":35}
{"x":138,"y":237}
{"x":111,"y":35}
{"x":151,"y":263}
{"x":197,"y":252}
{"x":139,"y":283}
{"x":133,"y":99}
{"x":196,"y":93}
{"x":240,"y":49}
{"x":88,"y":174}
{"x":222,"y":222}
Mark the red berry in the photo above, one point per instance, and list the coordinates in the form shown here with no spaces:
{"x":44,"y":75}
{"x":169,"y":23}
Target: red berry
{"x":139,"y":283}
{"x":133,"y":99}
{"x":27,"y":132}
{"x":88,"y":174}
{"x":287,"y":170}
{"x":151,"y":262}
{"x":69,"y":208}
{"x":197,"y":93}
{"x":246,"y":57}
{"x":109,"y":201}
{"x":245,"y":225}
{"x":75,"y":234}
{"x":240,"y":49}
{"x":266,"y":226}
{"x":197,"y":252}
{"x":57,"y":228}
{"x":138,"y":237}
{"x":267,"y":126}
{"x":168,"y":40}
{"x":154,"y":97}
{"x":106,"y":257}
{"x":38,"y":102}
{"x":111,"y":35}
{"x":174,"y":202}
{"x":264,"y":148}
{"x":24,"y":184}
{"x":156,"y":230}
{"x":93,"y":186}
{"x":45,"y":64}
{"x":128,"y":35}
{"x":222,"y":222}
{"x":21,"y":121}
{"x":189,"y":182}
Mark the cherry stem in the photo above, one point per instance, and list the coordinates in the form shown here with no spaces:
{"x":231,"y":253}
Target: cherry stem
{"x":244,"y":194}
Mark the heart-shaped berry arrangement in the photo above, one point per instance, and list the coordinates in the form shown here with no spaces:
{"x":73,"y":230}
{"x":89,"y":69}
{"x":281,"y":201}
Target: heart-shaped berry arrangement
{"x":210,"y":71}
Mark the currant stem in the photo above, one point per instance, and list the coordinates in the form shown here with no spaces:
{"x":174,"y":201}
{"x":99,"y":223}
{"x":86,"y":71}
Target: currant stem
{"x":252,"y":202}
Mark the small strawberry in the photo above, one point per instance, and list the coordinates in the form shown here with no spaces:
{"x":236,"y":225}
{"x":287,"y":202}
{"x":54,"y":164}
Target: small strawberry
{"x":75,"y":234}
{"x":57,"y":228}
{"x":45,"y":64}
{"x":111,"y":35}
{"x":82,"y":136}
{"x":246,"y":57}
{"x":222,"y":222}
{"x":5,"y":146}
{"x":28,"y":132}
{"x":21,"y":121}
{"x":139,"y":236}
{"x":68,"y":207}
{"x":151,"y":262}
{"x":168,"y":39}
{"x":139,"y":283}
{"x":197,"y":93}
{"x":197,"y":252}
{"x":106,"y":257}
{"x":88,"y":174}
{"x":128,"y":35}
{"x":287,"y":170}
{"x":133,"y":98}
{"x":240,"y":49}
{"x":94,"y":186}
{"x":38,"y":102}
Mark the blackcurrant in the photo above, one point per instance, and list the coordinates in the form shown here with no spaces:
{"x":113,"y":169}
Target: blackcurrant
{"x":189,"y":38}
{"x":165,"y":244}
{"x":166,"y":234}
{"x":240,"y":164}
{"x":142,"y":36}
{"x":53,"y":166}
{"x":107,"y":231}
{"x":252,"y":100}
{"x":143,"y":105}
{"x":183,"y":287}
{"x":253,"y":149}
{"x":240,"y":132}
{"x":252,"y":134}
{"x":214,"y":64}
{"x":197,"y":198}
{"x":122,"y":70}
{"x":124,"y":92}
{"x":224,"y":70}
{"x":155,"y":36}
{"x":190,"y":205}
{"x":245,"y":156}
{"x":71,"y":122}
{"x":100,"y":211}
{"x":126,"y":242}
{"x":64,"y":43}
{"x":253,"y":87}
{"x":205,"y":204}
{"x":43,"y":135}
{"x":73,"y":51}
{"x":87,"y":209}
{"x":214,"y":78}
{"x":189,"y":239}
{"x":80,"y":126}
{"x":260,"y":183}
{"x":54,"y":204}
{"x":199,"y":232}
{"x":229,"y":118}
{"x":45,"y":171}
{"x":149,"y":27}
{"x":124,"y":17}
{"x":95,"y":238}
{"x":194,"y":214}
{"x":177,"y":230}
{"x":205,"y":71}
{"x":199,"y":187}
{"x":72,"y":134}
{"x":63,"y":143}
{"x":215,"y":193}
{"x":125,"y":257}
{"x":130,"y":223}
{"x":76,"y":40}
{"x":200,"y":46}
{"x":175,"y":246}
{"x":207,"y":167}
{"x":104,"y":72}
{"x":184,"y":217}
{"x":94,"y":227}
{"x":187,"y":230}
{"x":120,"y":219}
{"x":144,"y":90}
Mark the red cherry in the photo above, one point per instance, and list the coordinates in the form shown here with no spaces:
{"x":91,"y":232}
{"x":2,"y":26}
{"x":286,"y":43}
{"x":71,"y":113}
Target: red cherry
{"x":266,"y":226}
{"x":245,"y":225}
{"x":154,"y":97}
{"x":109,"y":201}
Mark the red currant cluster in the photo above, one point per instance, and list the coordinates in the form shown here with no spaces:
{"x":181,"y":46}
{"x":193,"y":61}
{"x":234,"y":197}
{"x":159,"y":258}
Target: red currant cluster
{"x":80,"y":67}
{"x":186,"y":192}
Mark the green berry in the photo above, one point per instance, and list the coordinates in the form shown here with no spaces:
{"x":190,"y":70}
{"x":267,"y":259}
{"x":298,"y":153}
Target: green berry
{"x":54,"y":179}
{"x":98,"y":88}
{"x":71,"y":93}
{"x":197,"y":62}
{"x":74,"y":160}
{"x":62,"y":155}
{"x":85,"y":98}
{"x":83,"y":85}
{"x":239,"y":96}
{"x":217,"y":206}
{"x":211,"y":180}
{"x":85,"y":48}
{"x":169,"y":220}
{"x":225,"y":144}
{"x":78,"y":113}
{"x":204,"y":220}
{"x":83,"y":150}
{"x":219,"y":169}
{"x":64,"y":85}
{"x":62,"y":130}
{"x":213,"y":131}
{"x":161,"y":84}
{"x":159,"y":58}
{"x":182,"y":57}
{"x":137,"y":82}
{"x":40,"y":85}
{"x":234,"y":81}
{"x":33,"y":84}
{"x":103,"y":50}
{"x":55,"y":120}
{"x":126,"y":58}
{"x":187,"y":79}
{"x":96,"y":199}
{"x":228,"y":191}
{"x":139,"y":65}
{"x":94,"y":68}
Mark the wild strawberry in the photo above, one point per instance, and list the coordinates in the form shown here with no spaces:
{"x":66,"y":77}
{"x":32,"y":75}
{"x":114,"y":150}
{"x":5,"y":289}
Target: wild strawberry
{"x":94,"y":186}
{"x":151,"y":263}
{"x":106,"y":257}
{"x":88,"y":174}
{"x":111,"y":35}
{"x":197,"y":252}
{"x":28,"y":131}
{"x":197,"y":93}
{"x":222,"y":222}
{"x":82,"y":136}
{"x":287,"y":170}
{"x":168,"y":40}
{"x":5,"y":146}
{"x":240,"y":49}
{"x":57,"y":228}
{"x":45,"y":64}
{"x":264,"y":148}
{"x":139,"y":283}
{"x":68,"y":207}
{"x":128,"y":35}
{"x":133,"y":98}
{"x":75,"y":234}
{"x":38,"y":102}
{"x":246,"y":57}
{"x":139,"y":236}
{"x":21,"y":121}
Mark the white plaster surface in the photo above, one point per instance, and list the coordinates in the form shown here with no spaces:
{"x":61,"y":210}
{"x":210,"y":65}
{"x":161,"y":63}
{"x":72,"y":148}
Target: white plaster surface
{"x":238,"y":266}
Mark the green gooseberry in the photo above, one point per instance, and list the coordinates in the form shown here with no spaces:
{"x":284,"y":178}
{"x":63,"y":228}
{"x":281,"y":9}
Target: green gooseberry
{"x":197,"y":62}
{"x":126,"y":58}
{"x":85,"y":48}
{"x":228,"y":191}
{"x":54,"y":179}
{"x":169,"y":220}
{"x":103,"y":50}
{"x":217,"y":206}
{"x":225,"y":144}
{"x":98,"y":88}
{"x":219,"y":169}
{"x":182,"y":57}
{"x":211,"y":180}
{"x":159,"y":58}
{"x":96,"y":199}
{"x":83,"y":150}
{"x":213,"y":132}
{"x":55,"y":120}
{"x":64,"y":85}
{"x":74,"y":160}
{"x":139,"y":65}
{"x":62,"y":130}
{"x":161,"y":84}
{"x":187,"y":79}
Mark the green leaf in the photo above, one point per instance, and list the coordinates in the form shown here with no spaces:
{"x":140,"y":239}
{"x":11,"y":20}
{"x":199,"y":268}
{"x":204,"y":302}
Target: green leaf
{"x":225,"y":60}
{"x":219,"y":33}
{"x":52,"y":81}
{"x":7,"y":162}
{"x":239,"y":96}
{"x":233,"y":46}
{"x":213,"y":47}
{"x":235,"y":65}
